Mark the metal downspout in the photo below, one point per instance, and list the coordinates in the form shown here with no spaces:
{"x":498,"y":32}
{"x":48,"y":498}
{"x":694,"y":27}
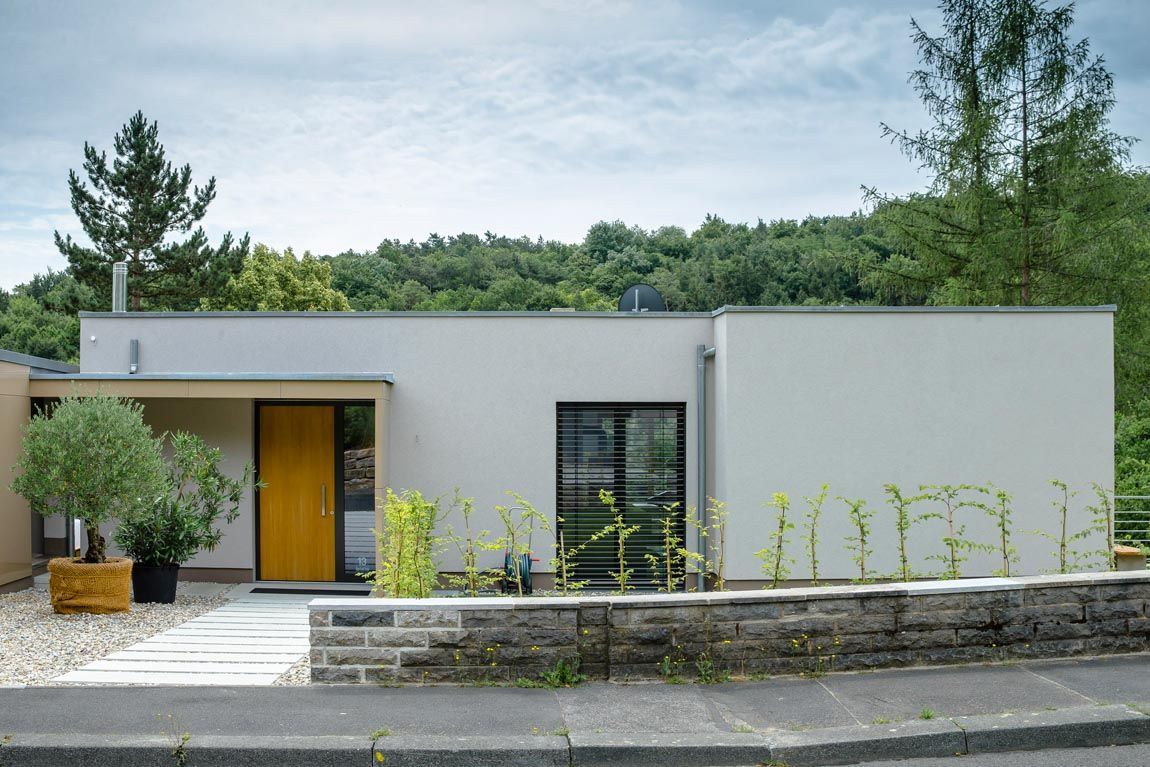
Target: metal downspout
{"x":702,"y":354}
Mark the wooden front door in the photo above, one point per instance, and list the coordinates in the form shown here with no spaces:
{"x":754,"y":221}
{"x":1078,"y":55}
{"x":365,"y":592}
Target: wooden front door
{"x":297,"y":506}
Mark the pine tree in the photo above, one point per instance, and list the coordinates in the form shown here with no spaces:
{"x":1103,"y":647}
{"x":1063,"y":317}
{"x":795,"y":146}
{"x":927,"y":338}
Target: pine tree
{"x":128,"y":212}
{"x":1030,"y":188}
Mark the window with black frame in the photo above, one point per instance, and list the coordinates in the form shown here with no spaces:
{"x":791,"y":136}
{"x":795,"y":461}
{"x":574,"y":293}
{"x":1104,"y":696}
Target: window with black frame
{"x":638,"y":453}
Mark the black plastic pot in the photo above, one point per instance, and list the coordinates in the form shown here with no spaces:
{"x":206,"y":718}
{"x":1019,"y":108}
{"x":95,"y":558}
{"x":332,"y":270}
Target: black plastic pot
{"x":154,"y":583}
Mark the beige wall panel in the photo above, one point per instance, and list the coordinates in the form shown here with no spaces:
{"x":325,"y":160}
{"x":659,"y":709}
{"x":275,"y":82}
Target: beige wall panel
{"x":15,"y":517}
{"x":135,"y":389}
{"x":13,"y":379}
{"x":362,"y":390}
{"x":234,"y":389}
{"x":226,"y":424}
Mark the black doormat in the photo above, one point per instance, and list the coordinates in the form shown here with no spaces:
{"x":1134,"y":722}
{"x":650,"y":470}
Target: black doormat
{"x":316,"y":592}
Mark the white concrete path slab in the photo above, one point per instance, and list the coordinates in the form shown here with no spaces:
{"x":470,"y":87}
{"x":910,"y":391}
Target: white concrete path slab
{"x":249,"y":641}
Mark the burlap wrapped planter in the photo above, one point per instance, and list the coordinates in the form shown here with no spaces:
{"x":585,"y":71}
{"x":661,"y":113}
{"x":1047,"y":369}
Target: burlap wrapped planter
{"x":83,"y":587}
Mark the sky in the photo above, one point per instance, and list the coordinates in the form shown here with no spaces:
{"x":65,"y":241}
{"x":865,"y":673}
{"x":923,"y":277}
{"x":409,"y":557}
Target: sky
{"x":332,"y":126}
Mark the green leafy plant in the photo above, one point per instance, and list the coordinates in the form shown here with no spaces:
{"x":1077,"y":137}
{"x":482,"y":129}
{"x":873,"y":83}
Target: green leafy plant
{"x":473,"y":579}
{"x":669,"y":566}
{"x":178,"y":739}
{"x":92,"y":458}
{"x":707,"y":672}
{"x":859,"y":543}
{"x":904,"y":520}
{"x":407,"y":546}
{"x":1002,"y":512}
{"x":671,"y":668}
{"x":956,"y":543}
{"x":184,"y":520}
{"x":565,"y":674}
{"x":622,"y":531}
{"x":519,"y":520}
{"x":1062,"y":540}
{"x":715,"y":533}
{"x":774,"y":560}
{"x":1070,"y":558}
{"x":1102,"y":516}
{"x":926,"y":713}
{"x":564,"y":563}
{"x":810,"y":535}
{"x":378,"y":756}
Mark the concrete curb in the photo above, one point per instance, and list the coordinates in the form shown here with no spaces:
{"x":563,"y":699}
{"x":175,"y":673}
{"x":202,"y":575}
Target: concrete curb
{"x":1087,"y":726}
{"x":669,"y":750}
{"x":865,"y":743}
{"x":43,"y":750}
{"x":1061,"y":728}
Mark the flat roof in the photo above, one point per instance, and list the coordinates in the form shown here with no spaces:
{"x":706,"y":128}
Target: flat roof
{"x":37,"y":363}
{"x":382,"y":377}
{"x":851,"y":309}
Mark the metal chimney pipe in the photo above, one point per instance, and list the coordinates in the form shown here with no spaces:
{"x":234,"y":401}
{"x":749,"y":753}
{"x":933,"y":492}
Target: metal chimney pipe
{"x":120,"y":286}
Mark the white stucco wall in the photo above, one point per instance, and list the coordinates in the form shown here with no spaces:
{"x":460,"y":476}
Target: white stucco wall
{"x":473,"y":403}
{"x":858,"y":400}
{"x":797,"y":398}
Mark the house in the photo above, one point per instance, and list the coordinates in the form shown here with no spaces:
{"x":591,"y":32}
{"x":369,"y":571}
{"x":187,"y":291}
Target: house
{"x":665,"y":409}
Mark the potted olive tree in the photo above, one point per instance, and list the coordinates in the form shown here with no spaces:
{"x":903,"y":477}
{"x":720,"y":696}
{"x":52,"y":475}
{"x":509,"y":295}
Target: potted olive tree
{"x":94,"y":459}
{"x":181,"y":521}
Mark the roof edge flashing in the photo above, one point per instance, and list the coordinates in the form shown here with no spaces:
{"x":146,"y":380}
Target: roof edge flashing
{"x":846,"y":309}
{"x":869,"y":309}
{"x":388,"y":378}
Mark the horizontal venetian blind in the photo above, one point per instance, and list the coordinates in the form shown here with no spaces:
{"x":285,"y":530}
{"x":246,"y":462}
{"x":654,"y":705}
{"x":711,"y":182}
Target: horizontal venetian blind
{"x":638,"y":453}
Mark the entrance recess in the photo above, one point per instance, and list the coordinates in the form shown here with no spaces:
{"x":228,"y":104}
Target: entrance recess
{"x":297,"y":507}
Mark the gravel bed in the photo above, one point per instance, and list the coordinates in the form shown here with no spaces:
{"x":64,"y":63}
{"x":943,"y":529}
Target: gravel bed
{"x":298,"y":675}
{"x":37,"y":645}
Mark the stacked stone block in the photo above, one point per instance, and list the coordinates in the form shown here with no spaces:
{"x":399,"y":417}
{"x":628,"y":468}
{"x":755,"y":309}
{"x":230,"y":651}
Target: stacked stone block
{"x":744,"y":633}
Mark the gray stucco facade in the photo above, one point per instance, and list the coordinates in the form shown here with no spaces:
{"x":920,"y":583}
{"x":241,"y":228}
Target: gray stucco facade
{"x":853,"y":397}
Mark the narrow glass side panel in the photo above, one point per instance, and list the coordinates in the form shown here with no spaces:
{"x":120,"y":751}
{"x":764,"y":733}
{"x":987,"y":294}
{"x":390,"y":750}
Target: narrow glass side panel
{"x":358,"y":489}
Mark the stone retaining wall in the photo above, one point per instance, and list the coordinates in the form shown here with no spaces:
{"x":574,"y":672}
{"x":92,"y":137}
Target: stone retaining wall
{"x":396,"y":641}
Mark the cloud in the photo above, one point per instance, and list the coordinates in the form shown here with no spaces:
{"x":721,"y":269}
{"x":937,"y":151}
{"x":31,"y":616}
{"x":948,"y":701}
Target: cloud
{"x":335,"y":126}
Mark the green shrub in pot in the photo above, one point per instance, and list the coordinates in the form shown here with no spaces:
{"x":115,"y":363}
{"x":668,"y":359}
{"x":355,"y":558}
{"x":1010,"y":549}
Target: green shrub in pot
{"x":183,"y":521}
{"x":94,"y":459}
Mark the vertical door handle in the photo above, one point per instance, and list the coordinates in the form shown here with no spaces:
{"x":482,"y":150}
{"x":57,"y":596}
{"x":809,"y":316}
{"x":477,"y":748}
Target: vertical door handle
{"x":323,"y":500}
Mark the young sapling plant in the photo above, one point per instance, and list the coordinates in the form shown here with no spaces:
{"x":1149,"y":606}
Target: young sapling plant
{"x":1070,"y":558}
{"x":518,"y":520}
{"x":473,"y":579}
{"x":668,"y":567}
{"x":622,"y":531}
{"x":1102,"y":514}
{"x":859,"y":543}
{"x":773,"y":558}
{"x":1002,"y":512}
{"x":715,"y":530}
{"x":956,"y":543}
{"x":904,"y":520}
{"x":810,"y":535}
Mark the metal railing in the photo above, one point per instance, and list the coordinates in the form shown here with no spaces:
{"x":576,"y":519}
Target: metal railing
{"x":1132,"y":519}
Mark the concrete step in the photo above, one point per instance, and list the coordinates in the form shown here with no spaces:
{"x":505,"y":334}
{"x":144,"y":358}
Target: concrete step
{"x":84,"y":676}
{"x":203,"y":657}
{"x":187,"y":666}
